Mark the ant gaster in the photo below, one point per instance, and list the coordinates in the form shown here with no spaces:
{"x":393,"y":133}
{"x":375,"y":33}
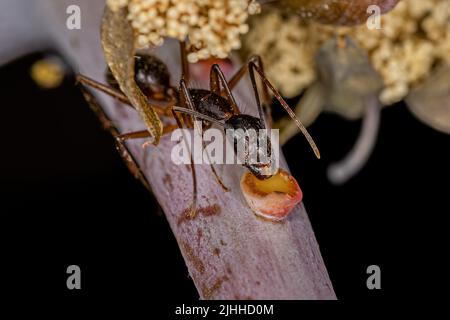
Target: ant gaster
{"x":214,"y":106}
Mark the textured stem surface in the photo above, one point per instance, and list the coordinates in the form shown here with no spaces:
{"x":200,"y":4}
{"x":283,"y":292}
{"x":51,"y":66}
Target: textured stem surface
{"x":229,"y":252}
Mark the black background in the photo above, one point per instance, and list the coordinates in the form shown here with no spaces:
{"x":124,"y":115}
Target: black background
{"x":67,"y":198}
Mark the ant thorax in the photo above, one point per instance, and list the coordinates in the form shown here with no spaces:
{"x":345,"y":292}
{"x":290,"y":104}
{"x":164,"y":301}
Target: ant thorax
{"x":210,"y":104}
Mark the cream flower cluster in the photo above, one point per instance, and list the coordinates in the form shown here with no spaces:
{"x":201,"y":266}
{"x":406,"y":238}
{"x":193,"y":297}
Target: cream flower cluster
{"x":212,"y":28}
{"x":413,"y":39}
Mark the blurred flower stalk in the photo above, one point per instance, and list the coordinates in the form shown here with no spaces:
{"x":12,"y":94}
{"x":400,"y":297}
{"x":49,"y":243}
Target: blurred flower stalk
{"x":341,"y":66}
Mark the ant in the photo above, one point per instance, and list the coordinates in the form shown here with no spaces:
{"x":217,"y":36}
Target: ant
{"x":214,"y":106}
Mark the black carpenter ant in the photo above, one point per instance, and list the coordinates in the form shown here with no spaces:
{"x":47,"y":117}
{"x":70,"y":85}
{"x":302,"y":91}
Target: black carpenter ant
{"x":216,"y":105}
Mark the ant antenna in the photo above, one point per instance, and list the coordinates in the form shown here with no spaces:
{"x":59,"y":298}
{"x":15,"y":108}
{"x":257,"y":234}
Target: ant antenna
{"x":198,"y":115}
{"x":287,"y":108}
{"x":302,"y":128}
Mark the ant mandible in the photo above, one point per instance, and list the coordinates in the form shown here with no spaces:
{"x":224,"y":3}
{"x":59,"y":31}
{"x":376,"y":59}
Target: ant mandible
{"x":216,"y":105}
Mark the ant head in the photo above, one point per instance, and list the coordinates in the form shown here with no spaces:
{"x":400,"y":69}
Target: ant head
{"x":256,"y":155}
{"x":151,"y":76}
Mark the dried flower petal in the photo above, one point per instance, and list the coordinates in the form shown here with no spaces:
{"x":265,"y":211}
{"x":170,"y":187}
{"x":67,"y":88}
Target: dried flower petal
{"x":273,"y":198}
{"x":119,"y":49}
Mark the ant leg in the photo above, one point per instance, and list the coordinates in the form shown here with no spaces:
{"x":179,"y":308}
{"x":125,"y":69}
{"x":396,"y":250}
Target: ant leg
{"x":133,"y":135}
{"x":252,"y":68}
{"x":144,"y":133}
{"x":103,"y":88}
{"x":219,"y":180}
{"x":187,"y":101}
{"x":193,"y":209}
{"x":255,"y":91}
{"x":184,"y":62}
{"x":216,"y":81}
{"x":256,"y":59}
{"x":267,"y":100}
{"x":113,"y":92}
{"x":108,"y":125}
